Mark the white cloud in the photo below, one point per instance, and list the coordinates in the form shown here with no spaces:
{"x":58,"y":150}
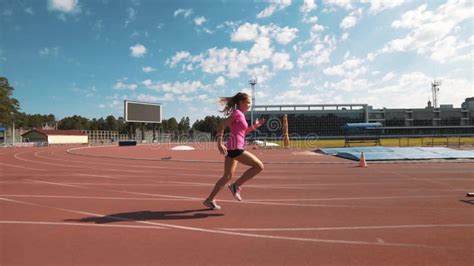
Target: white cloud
{"x":348,"y":22}
{"x":262,"y":73}
{"x":352,"y":19}
{"x":299,"y":82}
{"x":308,"y":6}
{"x":131,"y":16}
{"x":184,"y":12}
{"x":261,"y":50}
{"x":298,"y":96}
{"x":281,"y":61}
{"x":316,"y":29}
{"x":275,"y":5}
{"x":148,"y":69}
{"x":346,"y":4}
{"x":245,"y":32}
{"x":413,"y":18}
{"x":251,"y":32}
{"x":123,"y":86}
{"x":319,"y":53}
{"x":389,"y":76}
{"x":199,"y":20}
{"x":181,"y":55}
{"x":231,"y":62}
{"x":345,"y":36}
{"x":29,"y":10}
{"x":285,"y":35}
{"x":166,"y":97}
{"x":220,"y":81}
{"x":177,"y":87}
{"x":53,"y":51}
{"x":65,"y":6}
{"x":378,"y":5}
{"x":350,"y":85}
{"x":431,"y":30}
{"x":147,"y":82}
{"x":138,"y":50}
{"x":218,"y":59}
{"x":351,"y":68}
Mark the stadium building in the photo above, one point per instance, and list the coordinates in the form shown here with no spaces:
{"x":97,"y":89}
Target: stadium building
{"x":328,"y":120}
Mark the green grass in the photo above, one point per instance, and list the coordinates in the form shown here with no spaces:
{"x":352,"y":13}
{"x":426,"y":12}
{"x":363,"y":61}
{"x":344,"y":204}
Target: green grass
{"x":391,"y":142}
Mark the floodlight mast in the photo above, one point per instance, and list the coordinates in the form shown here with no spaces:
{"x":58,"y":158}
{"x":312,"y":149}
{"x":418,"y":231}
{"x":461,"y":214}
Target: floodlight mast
{"x":434,"y":90}
{"x":252,"y":83}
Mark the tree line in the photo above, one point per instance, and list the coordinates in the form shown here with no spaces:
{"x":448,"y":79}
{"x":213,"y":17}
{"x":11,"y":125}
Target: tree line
{"x":10,"y":111}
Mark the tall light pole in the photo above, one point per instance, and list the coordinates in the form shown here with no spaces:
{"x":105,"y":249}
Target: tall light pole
{"x":252,"y":83}
{"x":434,"y":90}
{"x":13,"y":129}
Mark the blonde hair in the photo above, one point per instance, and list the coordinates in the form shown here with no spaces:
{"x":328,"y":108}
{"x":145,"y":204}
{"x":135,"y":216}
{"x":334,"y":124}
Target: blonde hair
{"x":231,"y":103}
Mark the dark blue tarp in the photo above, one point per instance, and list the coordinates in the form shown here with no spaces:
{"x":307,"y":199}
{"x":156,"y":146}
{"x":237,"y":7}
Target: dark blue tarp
{"x":399,"y":153}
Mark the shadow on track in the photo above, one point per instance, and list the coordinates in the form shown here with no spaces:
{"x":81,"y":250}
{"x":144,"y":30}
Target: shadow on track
{"x":147,"y":216}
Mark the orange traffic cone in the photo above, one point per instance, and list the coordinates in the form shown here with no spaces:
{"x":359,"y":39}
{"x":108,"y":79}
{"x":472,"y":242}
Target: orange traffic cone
{"x":362,"y":162}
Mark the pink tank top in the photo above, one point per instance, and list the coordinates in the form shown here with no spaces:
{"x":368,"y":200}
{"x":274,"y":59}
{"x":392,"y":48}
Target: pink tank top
{"x":238,"y":126}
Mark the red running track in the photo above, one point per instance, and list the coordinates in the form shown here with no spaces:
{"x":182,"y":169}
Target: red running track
{"x":100,"y":206}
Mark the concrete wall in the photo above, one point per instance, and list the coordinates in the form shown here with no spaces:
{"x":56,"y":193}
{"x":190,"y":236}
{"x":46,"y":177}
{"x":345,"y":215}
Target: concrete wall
{"x":58,"y":139}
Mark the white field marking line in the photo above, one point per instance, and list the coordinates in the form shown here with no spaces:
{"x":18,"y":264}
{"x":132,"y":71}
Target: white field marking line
{"x":426,"y":180}
{"x":176,"y":168}
{"x":80,"y":167}
{"x":353,"y":198}
{"x":107,"y":184}
{"x":180,"y":168}
{"x":193,"y":198}
{"x":81,"y":224}
{"x":277,"y":162}
{"x":349,"y":227}
{"x":95,"y":163}
{"x":205,"y":173}
{"x":72,"y":211}
{"x":196,"y":161}
{"x":320,"y":184}
{"x":131,"y":184}
{"x":138,"y":166}
{"x":122,"y":191}
{"x":184,"y":184}
{"x":92,"y":197}
{"x":102,"y":176}
{"x":223,"y":232}
{"x":159,"y":174}
{"x":22,"y":167}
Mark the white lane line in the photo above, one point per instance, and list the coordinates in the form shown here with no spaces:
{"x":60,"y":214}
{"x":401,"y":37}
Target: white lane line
{"x":223,"y":232}
{"x":82,"y":224}
{"x":89,"y":162}
{"x":89,"y":197}
{"x":352,"y":198}
{"x":194,"y":198}
{"x":347,"y":228}
{"x":208,"y":170}
{"x":102,"y":176}
{"x":22,"y":167}
{"x":122,"y":191}
{"x":72,"y":166}
{"x":109,"y":184}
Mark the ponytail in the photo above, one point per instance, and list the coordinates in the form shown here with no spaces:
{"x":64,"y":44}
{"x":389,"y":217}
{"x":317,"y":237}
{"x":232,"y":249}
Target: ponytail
{"x":231,"y":103}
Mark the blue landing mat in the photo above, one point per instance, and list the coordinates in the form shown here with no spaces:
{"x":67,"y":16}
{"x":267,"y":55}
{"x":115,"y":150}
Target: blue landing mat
{"x":402,"y":153}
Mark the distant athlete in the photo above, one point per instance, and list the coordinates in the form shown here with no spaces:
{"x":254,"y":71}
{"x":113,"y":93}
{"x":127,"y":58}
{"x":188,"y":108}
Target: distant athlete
{"x":234,"y":150}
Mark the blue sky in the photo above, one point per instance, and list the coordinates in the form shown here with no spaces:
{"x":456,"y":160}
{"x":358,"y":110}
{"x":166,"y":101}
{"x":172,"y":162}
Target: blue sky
{"x":85,"y":57}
